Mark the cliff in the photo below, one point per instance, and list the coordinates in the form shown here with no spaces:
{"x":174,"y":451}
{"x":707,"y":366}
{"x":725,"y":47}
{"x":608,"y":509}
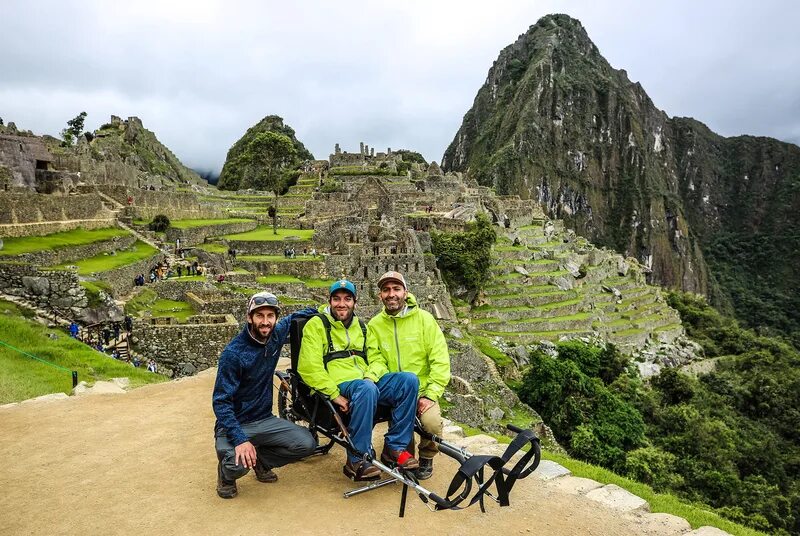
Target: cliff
{"x":556,"y":123}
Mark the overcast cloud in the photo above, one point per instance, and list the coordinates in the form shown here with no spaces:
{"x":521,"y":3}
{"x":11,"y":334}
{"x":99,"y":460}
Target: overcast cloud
{"x":397,"y":74}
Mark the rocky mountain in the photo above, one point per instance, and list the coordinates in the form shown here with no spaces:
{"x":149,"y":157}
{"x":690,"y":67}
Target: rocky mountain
{"x":119,"y":152}
{"x":127,"y":141}
{"x":232,"y":175}
{"x":555,"y":122}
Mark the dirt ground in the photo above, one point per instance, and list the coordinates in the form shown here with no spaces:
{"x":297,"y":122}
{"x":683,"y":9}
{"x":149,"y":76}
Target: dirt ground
{"x":144,"y":463}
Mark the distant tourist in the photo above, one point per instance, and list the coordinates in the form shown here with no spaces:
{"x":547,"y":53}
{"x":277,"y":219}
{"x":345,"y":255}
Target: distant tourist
{"x":248,"y":435}
{"x":151,"y":366}
{"x":128,"y":323}
{"x":73,"y":330}
{"x":115,"y":353}
{"x":180,"y":271}
{"x":106,"y":335}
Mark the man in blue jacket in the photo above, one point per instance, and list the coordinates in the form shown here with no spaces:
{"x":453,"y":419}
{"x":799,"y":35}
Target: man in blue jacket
{"x":248,"y":436}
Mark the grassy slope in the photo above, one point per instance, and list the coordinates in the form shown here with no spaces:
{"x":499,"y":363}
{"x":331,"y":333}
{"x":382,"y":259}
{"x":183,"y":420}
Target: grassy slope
{"x":75,"y":237}
{"x":266,"y":233}
{"x":189,"y":224}
{"x":103,"y":262}
{"x":22,"y":377}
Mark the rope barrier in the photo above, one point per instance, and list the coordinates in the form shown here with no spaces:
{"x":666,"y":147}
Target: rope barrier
{"x":73,"y":372}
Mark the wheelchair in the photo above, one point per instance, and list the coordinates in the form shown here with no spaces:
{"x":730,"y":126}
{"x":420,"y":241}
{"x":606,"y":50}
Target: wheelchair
{"x":478,"y":477}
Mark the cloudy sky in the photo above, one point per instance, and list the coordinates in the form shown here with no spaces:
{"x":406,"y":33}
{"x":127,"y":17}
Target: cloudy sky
{"x":397,"y":74}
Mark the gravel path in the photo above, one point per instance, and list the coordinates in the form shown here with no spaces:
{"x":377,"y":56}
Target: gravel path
{"x":144,"y":463}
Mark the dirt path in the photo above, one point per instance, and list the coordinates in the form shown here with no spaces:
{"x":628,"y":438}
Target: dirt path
{"x":144,"y":463}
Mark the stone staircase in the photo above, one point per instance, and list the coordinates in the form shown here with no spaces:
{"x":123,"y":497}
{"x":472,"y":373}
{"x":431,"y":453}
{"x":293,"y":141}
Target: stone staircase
{"x":548,"y":284}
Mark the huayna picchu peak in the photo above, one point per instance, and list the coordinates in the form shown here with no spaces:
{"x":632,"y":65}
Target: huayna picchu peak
{"x":556,"y":123}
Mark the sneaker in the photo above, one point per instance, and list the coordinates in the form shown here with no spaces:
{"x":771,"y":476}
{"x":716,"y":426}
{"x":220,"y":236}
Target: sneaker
{"x":399,"y":458}
{"x":264,"y":473}
{"x":226,"y":489}
{"x":361,"y":470}
{"x":425,"y":468}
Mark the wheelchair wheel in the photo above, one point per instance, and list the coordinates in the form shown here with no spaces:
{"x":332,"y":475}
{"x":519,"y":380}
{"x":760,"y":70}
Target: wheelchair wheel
{"x":286,"y":409}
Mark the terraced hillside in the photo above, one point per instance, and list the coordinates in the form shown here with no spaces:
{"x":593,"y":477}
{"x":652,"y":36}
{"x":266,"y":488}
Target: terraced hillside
{"x":547,"y":284}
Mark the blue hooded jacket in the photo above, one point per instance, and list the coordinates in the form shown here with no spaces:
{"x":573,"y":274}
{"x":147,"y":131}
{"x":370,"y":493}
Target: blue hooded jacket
{"x":243,"y":389}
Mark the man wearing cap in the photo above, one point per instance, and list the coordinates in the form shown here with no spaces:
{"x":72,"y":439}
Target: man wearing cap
{"x":404,"y":337}
{"x":247,"y":434}
{"x":337,"y":368}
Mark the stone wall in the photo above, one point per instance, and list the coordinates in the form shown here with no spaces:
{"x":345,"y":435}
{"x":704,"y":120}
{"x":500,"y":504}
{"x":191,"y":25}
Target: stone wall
{"x":175,"y":289}
{"x":31,"y":214}
{"x":184,"y":348}
{"x":149,"y":203}
{"x":215,"y":302}
{"x":46,"y":289}
{"x":198,"y":235}
{"x":120,"y":279}
{"x":63,"y":255}
{"x":270,"y":247}
{"x":297,"y":267}
{"x":22,"y":155}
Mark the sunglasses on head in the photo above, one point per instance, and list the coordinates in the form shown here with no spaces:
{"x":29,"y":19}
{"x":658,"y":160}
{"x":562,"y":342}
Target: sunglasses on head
{"x":264,"y":300}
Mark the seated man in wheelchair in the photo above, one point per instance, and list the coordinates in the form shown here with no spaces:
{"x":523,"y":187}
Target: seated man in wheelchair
{"x":333,"y":362}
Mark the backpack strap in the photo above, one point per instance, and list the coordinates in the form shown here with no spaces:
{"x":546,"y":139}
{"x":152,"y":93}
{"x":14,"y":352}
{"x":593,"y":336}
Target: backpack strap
{"x":341,"y":354}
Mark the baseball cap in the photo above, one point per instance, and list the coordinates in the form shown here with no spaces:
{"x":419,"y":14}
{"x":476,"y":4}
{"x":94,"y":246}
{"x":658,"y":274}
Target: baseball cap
{"x":396,"y":276}
{"x":343,"y":284}
{"x":263,"y":299}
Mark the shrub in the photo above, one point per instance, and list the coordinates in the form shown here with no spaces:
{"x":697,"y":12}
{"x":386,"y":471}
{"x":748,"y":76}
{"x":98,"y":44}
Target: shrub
{"x":159,"y":224}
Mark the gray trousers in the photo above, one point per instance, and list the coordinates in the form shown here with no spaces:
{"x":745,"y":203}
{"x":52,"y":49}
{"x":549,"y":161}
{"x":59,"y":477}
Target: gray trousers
{"x":277,"y":442}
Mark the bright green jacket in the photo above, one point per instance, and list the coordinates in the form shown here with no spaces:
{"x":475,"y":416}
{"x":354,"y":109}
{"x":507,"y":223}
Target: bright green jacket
{"x":315,"y":345}
{"x":411,"y":341}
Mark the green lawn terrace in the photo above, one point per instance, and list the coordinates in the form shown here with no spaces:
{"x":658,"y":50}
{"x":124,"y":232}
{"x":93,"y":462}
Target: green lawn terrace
{"x":147,"y":304}
{"x":105,"y":262}
{"x":77,"y":237}
{"x":532,"y":296}
{"x":193,"y":224}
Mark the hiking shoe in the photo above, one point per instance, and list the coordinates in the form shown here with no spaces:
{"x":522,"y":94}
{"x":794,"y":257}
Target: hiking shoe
{"x":425,"y":468}
{"x":226,"y":489}
{"x":399,"y":458}
{"x":360,"y":471}
{"x":264,"y":473}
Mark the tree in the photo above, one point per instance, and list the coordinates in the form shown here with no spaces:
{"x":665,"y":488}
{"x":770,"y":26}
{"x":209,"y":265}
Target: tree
{"x":268,"y":157}
{"x":73,"y":131}
{"x":159,"y":224}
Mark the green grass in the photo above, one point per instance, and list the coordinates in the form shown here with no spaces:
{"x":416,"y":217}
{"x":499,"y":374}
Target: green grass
{"x":190,"y":224}
{"x":267,"y":279}
{"x":22,"y":377}
{"x":317,"y":283}
{"x":213,"y":247}
{"x":75,"y":237}
{"x":266,"y":234}
{"x":103,"y":262}
{"x":696,"y":515}
{"x":485,"y":346}
{"x":148,"y":301}
{"x":278,"y":258}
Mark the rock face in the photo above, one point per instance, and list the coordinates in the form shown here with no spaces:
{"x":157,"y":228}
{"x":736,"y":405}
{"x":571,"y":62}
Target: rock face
{"x":555,"y":122}
{"x":232,"y":177}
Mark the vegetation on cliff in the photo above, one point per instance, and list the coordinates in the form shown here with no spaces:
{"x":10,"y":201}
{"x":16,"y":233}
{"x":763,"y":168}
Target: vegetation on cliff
{"x":728,"y":438}
{"x":554,"y":121}
{"x":235,"y":175}
{"x":465,"y":259}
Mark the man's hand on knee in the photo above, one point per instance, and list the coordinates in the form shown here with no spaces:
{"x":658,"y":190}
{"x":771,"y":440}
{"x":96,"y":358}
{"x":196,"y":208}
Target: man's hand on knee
{"x":245,"y":455}
{"x":424,"y":404}
{"x":343,"y":403}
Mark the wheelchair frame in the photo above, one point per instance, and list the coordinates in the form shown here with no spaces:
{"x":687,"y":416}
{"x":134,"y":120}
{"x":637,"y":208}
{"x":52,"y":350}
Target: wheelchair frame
{"x":299,"y":404}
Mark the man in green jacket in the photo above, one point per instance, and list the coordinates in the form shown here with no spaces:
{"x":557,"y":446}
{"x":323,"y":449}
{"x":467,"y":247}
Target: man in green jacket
{"x":404,"y":337}
{"x":333,"y":362}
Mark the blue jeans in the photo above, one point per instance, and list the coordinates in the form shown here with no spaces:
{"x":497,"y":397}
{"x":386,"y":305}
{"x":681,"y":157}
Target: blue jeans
{"x":398,"y":390}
